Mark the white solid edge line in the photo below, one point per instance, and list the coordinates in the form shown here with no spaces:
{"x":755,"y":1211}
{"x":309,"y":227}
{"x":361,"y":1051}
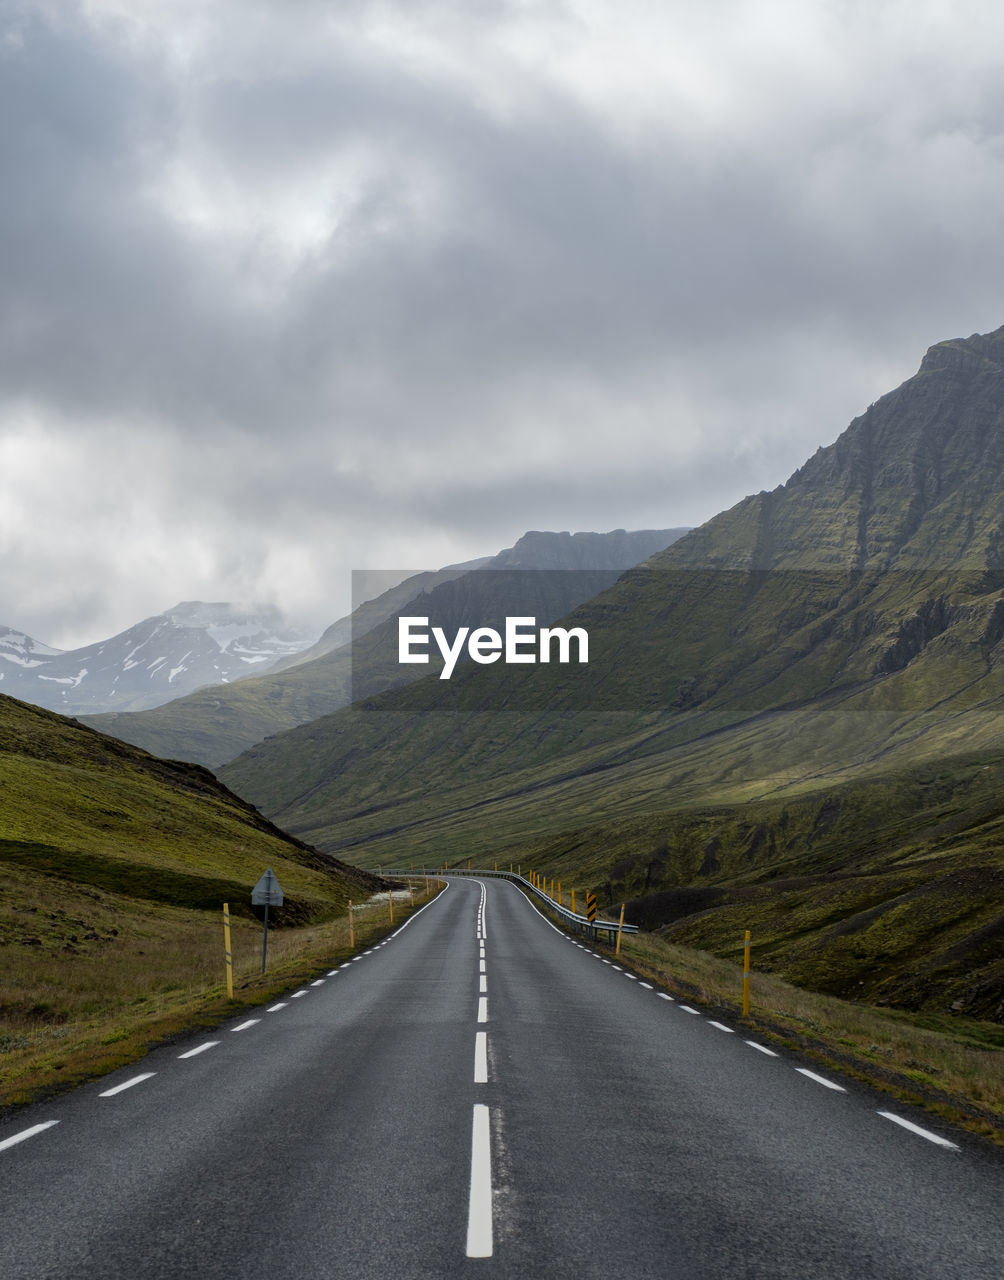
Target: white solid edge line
{"x":923,"y":1133}
{"x":482,"y":1009}
{"x":721,"y":1027}
{"x":419,"y":912}
{"x":481,"y":1057}
{"x":276,"y":1007}
{"x":839,"y":1088}
{"x":25,"y":1134}
{"x":251,"y":1022}
{"x":480,"y":1243}
{"x":193,"y":1053}
{"x":560,"y":932}
{"x":762,"y":1048}
{"x":128,"y":1084}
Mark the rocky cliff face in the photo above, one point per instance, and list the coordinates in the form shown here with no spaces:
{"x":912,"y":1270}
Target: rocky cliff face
{"x":915,"y":482}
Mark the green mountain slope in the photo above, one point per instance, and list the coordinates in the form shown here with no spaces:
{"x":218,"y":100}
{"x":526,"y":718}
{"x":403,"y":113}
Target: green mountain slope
{"x":843,"y":628}
{"x":549,"y":573}
{"x":87,"y":812}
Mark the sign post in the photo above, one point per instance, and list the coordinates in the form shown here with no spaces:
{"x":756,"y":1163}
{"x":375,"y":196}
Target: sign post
{"x":268,"y":893}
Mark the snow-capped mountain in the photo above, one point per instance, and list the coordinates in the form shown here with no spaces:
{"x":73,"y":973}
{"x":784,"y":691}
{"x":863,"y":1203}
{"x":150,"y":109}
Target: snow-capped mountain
{"x":160,"y":658}
{"x":22,"y":650}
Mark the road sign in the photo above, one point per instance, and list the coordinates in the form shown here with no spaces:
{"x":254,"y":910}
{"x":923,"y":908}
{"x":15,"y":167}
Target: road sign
{"x":267,"y":892}
{"x":590,"y":907}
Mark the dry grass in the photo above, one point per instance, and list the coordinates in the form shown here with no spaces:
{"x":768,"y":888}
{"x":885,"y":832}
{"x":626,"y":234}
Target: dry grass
{"x":67,"y":1018}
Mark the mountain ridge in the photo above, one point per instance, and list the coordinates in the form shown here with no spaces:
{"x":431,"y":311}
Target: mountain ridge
{"x":847,"y":624}
{"x":543,"y":571}
{"x":191,"y":645}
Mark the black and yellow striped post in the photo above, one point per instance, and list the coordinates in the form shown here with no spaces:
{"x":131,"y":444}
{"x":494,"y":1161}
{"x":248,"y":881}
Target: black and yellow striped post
{"x":227,"y":951}
{"x":590,"y":907}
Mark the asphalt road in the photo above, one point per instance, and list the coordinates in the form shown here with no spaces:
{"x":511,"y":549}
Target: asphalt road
{"x":480,"y":1095}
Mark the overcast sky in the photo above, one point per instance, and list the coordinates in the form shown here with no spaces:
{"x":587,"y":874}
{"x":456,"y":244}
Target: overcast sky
{"x":294,"y":287}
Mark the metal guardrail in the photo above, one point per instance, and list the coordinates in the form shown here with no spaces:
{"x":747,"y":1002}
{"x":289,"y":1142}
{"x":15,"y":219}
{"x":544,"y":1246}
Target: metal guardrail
{"x":578,"y":924}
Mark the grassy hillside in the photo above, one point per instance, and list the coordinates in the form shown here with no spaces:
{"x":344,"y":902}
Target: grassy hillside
{"x":116,"y":866}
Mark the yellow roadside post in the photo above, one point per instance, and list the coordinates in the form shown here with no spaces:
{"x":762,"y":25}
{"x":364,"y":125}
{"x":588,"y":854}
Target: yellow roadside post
{"x":390,"y":904}
{"x":352,"y":929}
{"x":227,"y":952}
{"x":573,"y":902}
{"x":619,"y":929}
{"x":559,"y":893}
{"x":746,"y":976}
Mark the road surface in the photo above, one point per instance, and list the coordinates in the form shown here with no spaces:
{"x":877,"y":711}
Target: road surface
{"x":482,"y":1096}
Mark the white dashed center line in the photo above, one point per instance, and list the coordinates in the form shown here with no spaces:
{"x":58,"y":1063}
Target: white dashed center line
{"x":251,"y":1022}
{"x":481,"y":1057}
{"x":483,"y":1009}
{"x":276,"y":1007}
{"x":480,"y":1242}
{"x":721,"y":1027}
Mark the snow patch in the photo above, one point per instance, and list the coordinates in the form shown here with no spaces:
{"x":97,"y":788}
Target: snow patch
{"x":73,"y":681}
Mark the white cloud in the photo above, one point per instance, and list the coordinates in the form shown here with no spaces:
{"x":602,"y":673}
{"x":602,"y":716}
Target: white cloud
{"x":294,"y":288}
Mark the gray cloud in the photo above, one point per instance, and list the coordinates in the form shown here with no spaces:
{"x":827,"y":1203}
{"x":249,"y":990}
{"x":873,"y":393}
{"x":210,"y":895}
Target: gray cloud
{"x":292,"y":288}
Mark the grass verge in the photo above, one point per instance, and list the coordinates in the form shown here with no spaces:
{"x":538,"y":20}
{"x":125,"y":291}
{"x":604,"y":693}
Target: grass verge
{"x":83,"y":1020}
